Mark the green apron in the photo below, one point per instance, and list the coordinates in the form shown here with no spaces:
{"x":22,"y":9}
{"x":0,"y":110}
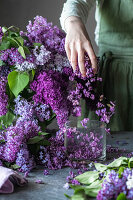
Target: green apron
{"x":116,"y":62}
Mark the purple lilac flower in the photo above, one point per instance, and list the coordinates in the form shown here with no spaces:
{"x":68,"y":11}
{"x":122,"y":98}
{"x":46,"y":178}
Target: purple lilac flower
{"x":71,"y":178}
{"x":42,"y":111}
{"x":84,"y":122}
{"x":46,"y":34}
{"x":25,"y":66}
{"x":51,"y":89}
{"x":3,"y":96}
{"x":23,"y":108}
{"x":113,"y":185}
{"x":24,"y":159}
{"x":46,"y":172}
{"x":42,"y":55}
{"x":53,"y":156}
{"x":66,"y":186}
{"x":13,"y":57}
{"x":61,"y":61}
{"x":16,"y":135}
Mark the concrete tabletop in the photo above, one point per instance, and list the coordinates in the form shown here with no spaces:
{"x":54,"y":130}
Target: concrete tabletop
{"x":52,"y":189}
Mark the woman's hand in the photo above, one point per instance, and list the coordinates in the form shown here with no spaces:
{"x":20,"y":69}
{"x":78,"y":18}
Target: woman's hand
{"x":77,"y":43}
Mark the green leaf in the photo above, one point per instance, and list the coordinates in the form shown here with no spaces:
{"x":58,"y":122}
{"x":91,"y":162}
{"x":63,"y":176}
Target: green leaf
{"x":7,"y":119}
{"x":37,"y":44}
{"x":118,"y":162}
{"x":92,"y":192}
{"x":33,"y":72}
{"x":7,"y":164}
{"x":130,"y":162}
{"x":26,"y":50}
{"x":2,"y":63}
{"x":120,"y":171}
{"x":43,"y":133}
{"x":13,"y":41}
{"x":79,"y":195}
{"x":15,"y":166}
{"x":100,"y":167}
{"x":95,"y":185}
{"x":87,"y":177}
{"x":22,"y":52}
{"x":4,"y":45}
{"x":44,"y":143}
{"x":35,"y":140}
{"x":2,"y":141}
{"x":20,"y":40}
{"x":17,"y":81}
{"x":66,"y":195}
{"x":121,"y":196}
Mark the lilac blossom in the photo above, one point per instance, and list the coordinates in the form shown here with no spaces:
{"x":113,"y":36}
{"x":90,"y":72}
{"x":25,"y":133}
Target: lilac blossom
{"x":41,"y":54}
{"x":23,"y":108}
{"x":40,"y":31}
{"x":42,"y":111}
{"x":16,"y":135}
{"x":51,"y":88}
{"x":25,"y":66}
{"x":112,"y":185}
{"x":3,"y":96}
{"x":13,"y":57}
{"x":24,"y":160}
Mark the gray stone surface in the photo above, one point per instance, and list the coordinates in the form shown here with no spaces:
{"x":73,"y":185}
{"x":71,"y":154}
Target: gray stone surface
{"x":52,"y":189}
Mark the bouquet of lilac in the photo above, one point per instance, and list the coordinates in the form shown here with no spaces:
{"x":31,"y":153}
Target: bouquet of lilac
{"x":38,"y":84}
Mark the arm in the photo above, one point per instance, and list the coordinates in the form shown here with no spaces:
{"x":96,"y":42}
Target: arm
{"x":73,"y":17}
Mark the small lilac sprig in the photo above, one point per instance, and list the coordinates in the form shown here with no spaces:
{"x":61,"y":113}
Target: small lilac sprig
{"x":113,"y":185}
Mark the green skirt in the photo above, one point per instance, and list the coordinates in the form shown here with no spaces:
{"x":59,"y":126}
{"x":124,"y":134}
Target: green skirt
{"x":117,"y":73}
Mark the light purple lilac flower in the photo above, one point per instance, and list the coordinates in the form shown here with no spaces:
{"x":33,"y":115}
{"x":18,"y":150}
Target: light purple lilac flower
{"x":113,"y":185}
{"x":25,"y":66}
{"x":24,"y":159}
{"x":41,"y":54}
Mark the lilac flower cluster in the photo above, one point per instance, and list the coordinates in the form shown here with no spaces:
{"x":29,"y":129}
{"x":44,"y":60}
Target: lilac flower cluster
{"x":12,"y":57}
{"x":24,"y":160}
{"x":42,"y":111}
{"x":70,"y":179}
{"x":23,"y":108}
{"x":42,"y":55}
{"x":17,"y":135}
{"x":103,"y":113}
{"x":51,"y":89}
{"x":53,"y":156}
{"x":28,"y":111}
{"x":3,"y":96}
{"x":50,"y":36}
{"x":25,"y":66}
{"x":113,"y":185}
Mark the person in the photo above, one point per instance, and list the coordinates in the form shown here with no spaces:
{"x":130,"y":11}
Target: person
{"x":114,"y":37}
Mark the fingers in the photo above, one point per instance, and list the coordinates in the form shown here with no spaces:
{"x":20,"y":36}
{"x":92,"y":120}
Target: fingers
{"x":92,"y":56}
{"x":75,"y":52}
{"x":74,"y":57}
{"x":68,"y":51}
{"x":81,"y":61}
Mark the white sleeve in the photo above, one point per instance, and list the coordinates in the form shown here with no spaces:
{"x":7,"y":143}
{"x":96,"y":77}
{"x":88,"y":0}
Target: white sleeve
{"x":79,"y":8}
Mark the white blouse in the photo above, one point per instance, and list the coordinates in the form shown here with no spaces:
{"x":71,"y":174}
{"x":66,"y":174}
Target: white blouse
{"x":81,"y":8}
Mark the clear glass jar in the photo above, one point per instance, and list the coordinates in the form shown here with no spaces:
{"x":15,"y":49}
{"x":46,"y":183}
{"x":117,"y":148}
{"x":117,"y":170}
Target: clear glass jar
{"x":87,"y":143}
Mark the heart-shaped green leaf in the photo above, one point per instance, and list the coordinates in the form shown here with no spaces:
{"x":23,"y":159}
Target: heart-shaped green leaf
{"x":17,"y":81}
